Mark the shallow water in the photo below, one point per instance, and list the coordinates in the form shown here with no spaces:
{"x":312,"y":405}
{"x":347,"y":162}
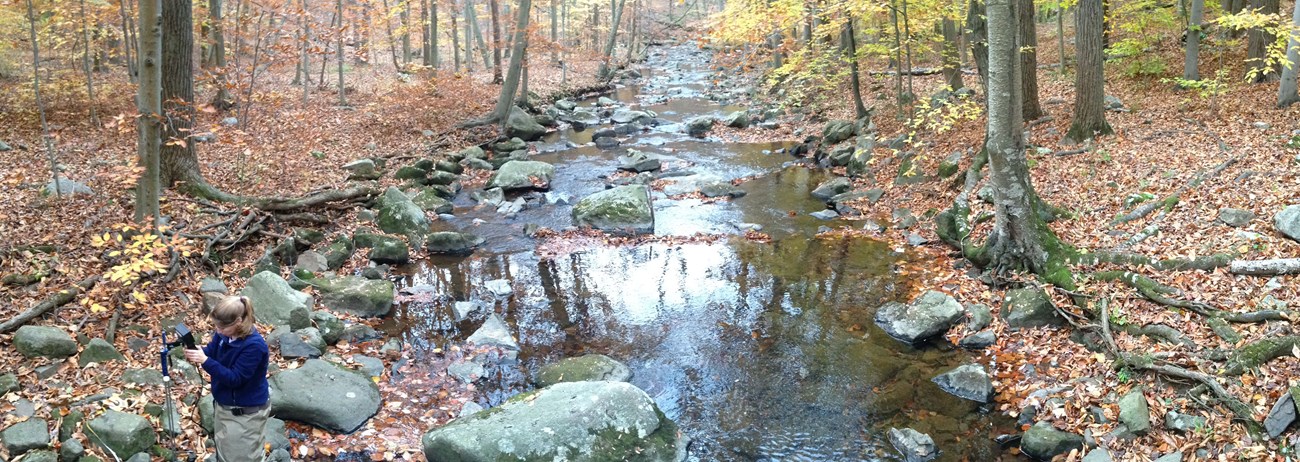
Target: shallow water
{"x":759,"y":351}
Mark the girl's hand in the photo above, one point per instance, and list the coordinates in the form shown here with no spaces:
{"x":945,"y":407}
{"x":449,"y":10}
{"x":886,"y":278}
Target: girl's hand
{"x":196,"y":357}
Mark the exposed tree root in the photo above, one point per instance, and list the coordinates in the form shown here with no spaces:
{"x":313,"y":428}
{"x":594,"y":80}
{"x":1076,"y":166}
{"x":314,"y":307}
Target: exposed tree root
{"x":1171,"y":200}
{"x":1259,"y":352}
{"x":60,"y":298}
{"x":1173,"y":264}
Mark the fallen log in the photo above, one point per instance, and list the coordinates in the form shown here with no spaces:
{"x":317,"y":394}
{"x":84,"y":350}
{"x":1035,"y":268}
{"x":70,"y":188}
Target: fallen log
{"x":1265,"y":267}
{"x":61,"y":298}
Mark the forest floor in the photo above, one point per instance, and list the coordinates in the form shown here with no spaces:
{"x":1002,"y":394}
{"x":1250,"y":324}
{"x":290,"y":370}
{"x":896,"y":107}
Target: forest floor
{"x":1163,"y":140}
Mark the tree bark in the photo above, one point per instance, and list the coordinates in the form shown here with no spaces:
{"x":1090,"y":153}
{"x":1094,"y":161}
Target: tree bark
{"x":149,"y":100}
{"x":40,"y":103}
{"x":1190,"y":69}
{"x":406,"y":31}
{"x":496,"y":42}
{"x":1287,"y":92}
{"x":469,"y":37}
{"x":455,"y":39}
{"x":435,"y":60}
{"x":1266,"y":267}
{"x":1257,"y":45}
{"x":126,"y":41}
{"x":859,"y":109}
{"x":177,"y":151}
{"x":1090,"y":93}
{"x":951,"y":54}
{"x":343,"y":88}
{"x":1020,"y":240}
{"x":1030,"y":108}
{"x":306,"y":57}
{"x":605,"y":71}
{"x":85,"y":63}
{"x":977,"y":34}
{"x":511,"y":85}
{"x":426,"y":55}
{"x":1060,"y":33}
{"x":555,"y":34}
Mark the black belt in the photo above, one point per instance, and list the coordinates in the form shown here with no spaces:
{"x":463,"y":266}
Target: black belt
{"x":238,"y":411}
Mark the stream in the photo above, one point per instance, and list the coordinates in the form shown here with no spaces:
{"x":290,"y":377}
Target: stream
{"x":760,"y":351}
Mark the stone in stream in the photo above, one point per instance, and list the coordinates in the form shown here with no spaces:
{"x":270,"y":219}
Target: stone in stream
{"x":398,"y":215}
{"x":524,"y":126}
{"x":638,"y":161}
{"x":978,"y":341}
{"x":827,"y":214}
{"x":624,"y":116}
{"x":738,"y":119}
{"x":511,"y":145}
{"x":494,"y":332}
{"x":324,"y":395}
{"x":929,"y":315}
{"x":836,"y":131}
{"x":1043,"y":442}
{"x":582,"y":118}
{"x":1288,"y":222}
{"x":565,"y":105}
{"x":574,"y":421}
{"x":452,"y":243}
{"x":586,"y":368}
{"x":968,"y":381}
{"x":913,"y":445}
{"x":832,"y":187}
{"x":700,"y":126}
{"x":522,"y":174}
{"x":606,"y":142}
{"x":429,"y":199}
{"x":624,"y":209}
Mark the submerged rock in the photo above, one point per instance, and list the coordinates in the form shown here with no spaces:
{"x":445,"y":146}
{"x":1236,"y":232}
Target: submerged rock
{"x":574,"y":421}
{"x":913,"y":445}
{"x":969,"y":381}
{"x":929,"y":315}
{"x":586,"y":368}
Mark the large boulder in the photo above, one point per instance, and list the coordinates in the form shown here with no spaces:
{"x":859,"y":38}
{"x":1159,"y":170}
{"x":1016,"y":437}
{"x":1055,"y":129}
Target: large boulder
{"x":1030,"y":307}
{"x":524,"y":126}
{"x":625,"y":116}
{"x":625,"y":209}
{"x":832,"y":187}
{"x":431,"y":200}
{"x":98,"y":351}
{"x":398,"y":215}
{"x":1288,"y":222}
{"x":1043,"y":442}
{"x":44,"y":341}
{"x":25,"y":436}
{"x":325,"y":395}
{"x":452,"y":243}
{"x":638,"y":161}
{"x":125,"y":434}
{"x":737,"y":119}
{"x":574,"y":421}
{"x":361,"y":169}
{"x":836,"y":131}
{"x":581,"y":118}
{"x":522,"y":174}
{"x":276,"y":303}
{"x":968,"y":381}
{"x":930,"y":314}
{"x":65,"y":187}
{"x":355,"y":294}
{"x":700,"y":126}
{"x":586,"y":368}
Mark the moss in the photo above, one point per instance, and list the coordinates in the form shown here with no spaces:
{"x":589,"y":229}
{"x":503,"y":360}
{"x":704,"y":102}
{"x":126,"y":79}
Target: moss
{"x":1170,"y":202}
{"x":660,"y":445}
{"x":1259,"y":352}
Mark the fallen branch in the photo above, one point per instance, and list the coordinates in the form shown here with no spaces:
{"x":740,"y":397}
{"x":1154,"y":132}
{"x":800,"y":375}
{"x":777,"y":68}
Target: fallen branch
{"x":1208,"y":263}
{"x":1172,"y":199}
{"x":1265,"y":267}
{"x":1071,"y":152}
{"x":61,"y":298}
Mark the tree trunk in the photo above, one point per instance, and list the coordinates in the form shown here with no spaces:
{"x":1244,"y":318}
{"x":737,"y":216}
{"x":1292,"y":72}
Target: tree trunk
{"x":1089,"y":84}
{"x":392,"y":40}
{"x":1257,"y":46}
{"x":425,"y":55}
{"x":149,"y":100}
{"x":898,"y":60}
{"x":1060,"y":33}
{"x":405,"y":16}
{"x":511,"y":85}
{"x":496,"y":42}
{"x":1190,"y":69}
{"x":455,"y":39}
{"x":40,"y":103}
{"x":306,"y":58}
{"x":177,"y":149}
{"x":1287,"y":92}
{"x":604,"y":72}
{"x":435,"y":60}
{"x":478,"y":38}
{"x":977,"y":33}
{"x":126,"y":41}
{"x":343,"y":88}
{"x":859,"y":109}
{"x":1020,"y":240}
{"x":951,"y":54}
{"x":555,"y":32}
{"x":215,"y":16}
{"x":85,"y":63}
{"x":1030,"y":109}
{"x":469,"y":37}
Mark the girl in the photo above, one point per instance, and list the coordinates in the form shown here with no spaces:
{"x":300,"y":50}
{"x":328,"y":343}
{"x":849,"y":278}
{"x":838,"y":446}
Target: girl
{"x":236,"y":359}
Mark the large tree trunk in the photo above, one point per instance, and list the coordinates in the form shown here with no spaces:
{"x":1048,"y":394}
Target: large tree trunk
{"x":1190,"y":69}
{"x":426,"y":54}
{"x":1257,"y":45}
{"x":1060,"y":33}
{"x":306,"y":57}
{"x":511,"y":85}
{"x":435,"y":60}
{"x":952,"y":54}
{"x":343,"y":88}
{"x":1020,"y":240}
{"x":1030,"y":108}
{"x":1089,"y":84}
{"x":223,"y":100}
{"x":977,"y":34}
{"x":455,"y":39}
{"x":469,"y":35}
{"x":605,"y":70}
{"x":149,"y":101}
{"x":496,"y":42}
{"x":1287,"y":92}
{"x":406,"y":31}
{"x":179,"y":162}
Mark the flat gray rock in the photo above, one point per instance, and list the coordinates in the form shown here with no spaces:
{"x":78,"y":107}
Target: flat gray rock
{"x":494,"y":332}
{"x":969,"y":381}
